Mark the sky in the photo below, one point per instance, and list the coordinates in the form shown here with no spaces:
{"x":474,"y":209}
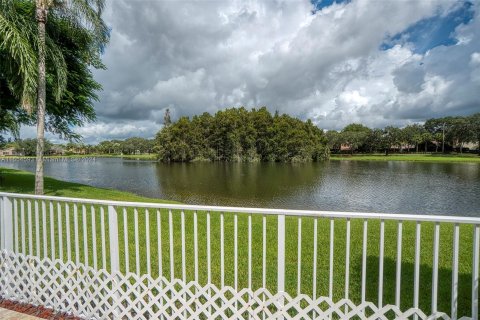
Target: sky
{"x":375,"y":62}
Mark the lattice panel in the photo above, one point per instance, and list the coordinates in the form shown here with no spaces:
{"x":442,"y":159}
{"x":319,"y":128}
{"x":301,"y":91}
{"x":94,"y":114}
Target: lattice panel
{"x":97,"y":294}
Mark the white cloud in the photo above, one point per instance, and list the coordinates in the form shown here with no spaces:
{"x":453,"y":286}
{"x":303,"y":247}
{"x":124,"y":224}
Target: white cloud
{"x":94,"y":133}
{"x":196,"y":56}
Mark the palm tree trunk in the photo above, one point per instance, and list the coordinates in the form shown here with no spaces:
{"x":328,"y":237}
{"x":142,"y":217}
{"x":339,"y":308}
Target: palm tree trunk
{"x":41,"y":15}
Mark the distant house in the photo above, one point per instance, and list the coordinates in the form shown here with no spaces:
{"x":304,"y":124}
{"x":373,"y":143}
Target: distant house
{"x":57,"y":150}
{"x":470,"y":145}
{"x":10,"y":151}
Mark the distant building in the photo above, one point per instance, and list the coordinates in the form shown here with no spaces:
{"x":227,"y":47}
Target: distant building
{"x":470,"y":145}
{"x":57,"y":150}
{"x":10,"y":151}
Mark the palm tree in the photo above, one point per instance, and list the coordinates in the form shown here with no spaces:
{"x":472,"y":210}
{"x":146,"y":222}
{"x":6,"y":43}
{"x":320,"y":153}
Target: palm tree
{"x":30,"y":49}
{"x":84,"y":13}
{"x":18,"y":63}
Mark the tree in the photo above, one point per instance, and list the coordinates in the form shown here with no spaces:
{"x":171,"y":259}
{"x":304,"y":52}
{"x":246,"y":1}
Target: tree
{"x":461,"y":132}
{"x":412,"y":134}
{"x":166,"y":118}
{"x":3,"y":142}
{"x":34,"y":66}
{"x":75,"y":13}
{"x":438,"y":139}
{"x":443,"y":126}
{"x":355,"y":135}
{"x":474,"y":121}
{"x":426,"y":137}
{"x":392,"y":138}
{"x":334,"y":140}
{"x":374,"y":140}
{"x":75,"y":106}
{"x":28,"y":146}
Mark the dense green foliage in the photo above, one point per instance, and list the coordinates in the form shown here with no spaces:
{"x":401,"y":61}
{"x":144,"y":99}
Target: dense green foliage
{"x":449,"y":134}
{"x":132,"y":145}
{"x":70,"y":47}
{"x":240,"y":135}
{"x":28,"y":147}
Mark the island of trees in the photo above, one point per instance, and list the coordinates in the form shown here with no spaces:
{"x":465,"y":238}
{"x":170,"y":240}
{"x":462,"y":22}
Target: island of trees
{"x":238,"y":134}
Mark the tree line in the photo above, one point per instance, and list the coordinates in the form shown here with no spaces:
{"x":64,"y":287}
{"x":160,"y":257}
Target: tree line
{"x":438,"y":134}
{"x":257,"y":135}
{"x":238,"y":134}
{"x":130,"y":146}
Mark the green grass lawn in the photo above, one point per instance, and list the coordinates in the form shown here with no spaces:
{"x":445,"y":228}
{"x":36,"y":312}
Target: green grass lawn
{"x":428,"y":157}
{"x":19,"y":181}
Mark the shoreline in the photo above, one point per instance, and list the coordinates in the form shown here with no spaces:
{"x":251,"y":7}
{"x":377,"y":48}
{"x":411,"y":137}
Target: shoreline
{"x":411,"y":157}
{"x":20,"y":181}
{"x":429,"y":157}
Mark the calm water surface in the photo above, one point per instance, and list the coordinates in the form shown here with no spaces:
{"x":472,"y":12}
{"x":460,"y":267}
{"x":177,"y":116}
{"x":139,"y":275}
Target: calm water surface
{"x":374,"y":186}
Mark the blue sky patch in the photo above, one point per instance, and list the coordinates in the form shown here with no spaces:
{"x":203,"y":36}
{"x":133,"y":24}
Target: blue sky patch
{"x":320,"y":4}
{"x":432,"y":32}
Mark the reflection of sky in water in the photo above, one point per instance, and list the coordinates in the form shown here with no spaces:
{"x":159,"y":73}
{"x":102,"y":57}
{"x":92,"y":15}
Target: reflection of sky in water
{"x":404,"y":187}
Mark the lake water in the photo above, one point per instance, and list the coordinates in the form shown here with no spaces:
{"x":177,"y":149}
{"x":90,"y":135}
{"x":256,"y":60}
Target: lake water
{"x":373,"y":186}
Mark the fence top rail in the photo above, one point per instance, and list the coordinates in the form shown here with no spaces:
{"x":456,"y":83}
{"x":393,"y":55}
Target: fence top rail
{"x":260,"y":211}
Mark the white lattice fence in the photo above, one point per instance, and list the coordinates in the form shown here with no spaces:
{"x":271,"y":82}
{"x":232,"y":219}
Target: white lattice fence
{"x":122,"y":260}
{"x":97,"y":294}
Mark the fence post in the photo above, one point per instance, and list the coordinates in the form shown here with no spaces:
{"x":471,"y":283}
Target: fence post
{"x":2,"y":237}
{"x":475,"y":271}
{"x":114,"y":255}
{"x":281,"y":260}
{"x":7,"y":238}
{"x":7,"y":224}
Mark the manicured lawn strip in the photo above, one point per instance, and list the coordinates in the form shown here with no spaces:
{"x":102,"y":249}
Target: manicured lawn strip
{"x":17,"y":181}
{"x":433,"y":157}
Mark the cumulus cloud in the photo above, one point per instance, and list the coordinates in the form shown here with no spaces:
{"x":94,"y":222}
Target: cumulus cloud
{"x":94,"y":133}
{"x":100,"y":131}
{"x":330,"y":66}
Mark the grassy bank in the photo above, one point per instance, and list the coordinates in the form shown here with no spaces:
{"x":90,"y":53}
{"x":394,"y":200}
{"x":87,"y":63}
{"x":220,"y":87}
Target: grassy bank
{"x":19,"y":181}
{"x":428,"y":157}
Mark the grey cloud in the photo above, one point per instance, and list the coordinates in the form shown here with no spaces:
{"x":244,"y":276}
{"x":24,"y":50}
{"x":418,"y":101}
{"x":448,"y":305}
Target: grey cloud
{"x":409,"y":78}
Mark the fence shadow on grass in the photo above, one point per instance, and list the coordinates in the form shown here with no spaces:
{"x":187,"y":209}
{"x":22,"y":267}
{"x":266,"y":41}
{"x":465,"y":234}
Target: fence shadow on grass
{"x":407,"y":285}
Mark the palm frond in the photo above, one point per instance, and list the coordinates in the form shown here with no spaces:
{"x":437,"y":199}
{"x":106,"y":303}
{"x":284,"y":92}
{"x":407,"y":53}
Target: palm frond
{"x":57,"y":62}
{"x":15,"y":33}
{"x":86,"y":14}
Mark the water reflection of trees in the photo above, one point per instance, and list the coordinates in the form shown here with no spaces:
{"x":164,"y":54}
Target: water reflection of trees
{"x":236,"y":183}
